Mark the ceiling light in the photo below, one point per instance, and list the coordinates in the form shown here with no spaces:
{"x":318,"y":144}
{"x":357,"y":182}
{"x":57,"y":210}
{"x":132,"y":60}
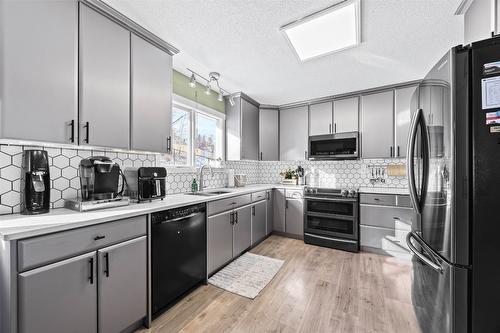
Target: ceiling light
{"x":207,"y":89}
{"x":192,"y":81}
{"x":329,"y":30}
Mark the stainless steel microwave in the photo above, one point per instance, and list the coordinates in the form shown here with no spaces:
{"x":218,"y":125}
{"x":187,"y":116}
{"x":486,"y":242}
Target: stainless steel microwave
{"x":336,"y":146}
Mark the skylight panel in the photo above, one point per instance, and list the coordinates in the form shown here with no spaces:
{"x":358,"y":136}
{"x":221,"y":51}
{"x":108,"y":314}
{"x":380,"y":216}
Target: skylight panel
{"x":330,"y":30}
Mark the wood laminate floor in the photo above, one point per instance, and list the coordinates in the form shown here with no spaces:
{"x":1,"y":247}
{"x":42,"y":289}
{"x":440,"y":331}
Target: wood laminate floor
{"x":317,"y":290}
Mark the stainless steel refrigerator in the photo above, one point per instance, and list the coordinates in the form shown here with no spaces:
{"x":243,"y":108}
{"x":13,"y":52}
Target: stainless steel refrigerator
{"x":453,"y":167}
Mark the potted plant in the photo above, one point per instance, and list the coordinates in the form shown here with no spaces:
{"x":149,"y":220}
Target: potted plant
{"x":289,"y":177}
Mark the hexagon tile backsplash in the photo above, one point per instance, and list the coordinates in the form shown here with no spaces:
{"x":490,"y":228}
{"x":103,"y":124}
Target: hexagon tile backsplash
{"x":66,"y":183}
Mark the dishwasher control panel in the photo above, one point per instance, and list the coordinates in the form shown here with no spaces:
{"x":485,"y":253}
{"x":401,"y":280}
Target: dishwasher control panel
{"x":176,"y":213}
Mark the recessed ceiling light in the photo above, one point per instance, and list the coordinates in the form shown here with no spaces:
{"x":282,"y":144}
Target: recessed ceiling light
{"x":329,"y":30}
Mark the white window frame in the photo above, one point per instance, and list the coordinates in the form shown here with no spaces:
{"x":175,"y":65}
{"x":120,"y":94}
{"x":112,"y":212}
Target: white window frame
{"x":193,"y":108}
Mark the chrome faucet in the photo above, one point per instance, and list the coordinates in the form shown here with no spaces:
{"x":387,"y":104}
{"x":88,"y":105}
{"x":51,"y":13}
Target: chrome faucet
{"x":201,"y":175}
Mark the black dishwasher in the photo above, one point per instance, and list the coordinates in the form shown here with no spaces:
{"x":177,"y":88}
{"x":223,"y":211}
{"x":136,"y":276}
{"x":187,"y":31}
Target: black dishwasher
{"x":178,"y":254}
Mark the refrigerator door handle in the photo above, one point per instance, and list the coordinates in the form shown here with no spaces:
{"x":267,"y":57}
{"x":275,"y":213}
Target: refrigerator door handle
{"x":410,"y":167}
{"x":431,"y":263}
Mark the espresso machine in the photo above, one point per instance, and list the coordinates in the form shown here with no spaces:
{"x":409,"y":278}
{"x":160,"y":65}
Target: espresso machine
{"x":99,"y":185}
{"x":35,"y":182}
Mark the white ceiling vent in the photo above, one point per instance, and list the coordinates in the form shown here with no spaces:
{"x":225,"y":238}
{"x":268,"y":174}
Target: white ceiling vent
{"x":330,"y":30}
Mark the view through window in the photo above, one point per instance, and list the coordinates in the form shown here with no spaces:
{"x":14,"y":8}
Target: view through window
{"x":197,"y":136}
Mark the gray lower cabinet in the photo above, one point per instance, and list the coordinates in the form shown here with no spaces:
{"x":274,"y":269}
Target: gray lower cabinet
{"x":38,"y":70}
{"x":122,"y":280}
{"x":60,"y":297}
{"x":242,"y":231}
{"x":151,"y":111}
{"x":220,"y":240}
{"x":268,"y":134}
{"x":294,"y":217}
{"x":104,"y":81}
{"x":385,"y":220}
{"x":279,"y":210}
{"x":269,"y":211}
{"x":259,"y":213}
{"x":377,"y":123}
{"x":294,"y":134}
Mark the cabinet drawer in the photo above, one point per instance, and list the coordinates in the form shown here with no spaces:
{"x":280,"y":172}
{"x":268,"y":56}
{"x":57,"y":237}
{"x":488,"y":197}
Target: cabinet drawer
{"x":383,"y":238}
{"x":387,"y":217}
{"x":378,"y":199}
{"x":41,"y":250}
{"x":258,"y":196}
{"x":223,"y":205}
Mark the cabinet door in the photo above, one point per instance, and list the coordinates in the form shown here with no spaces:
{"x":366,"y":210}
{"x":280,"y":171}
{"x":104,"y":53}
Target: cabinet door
{"x":249,"y":131}
{"x":377,"y":125}
{"x":60,"y":297}
{"x":122,"y":276}
{"x":104,"y":81}
{"x":242,"y":234}
{"x":345,"y":115}
{"x":220,"y":241}
{"x":279,"y":210}
{"x":259,"y":215}
{"x":151,"y":71}
{"x":294,"y":133}
{"x":320,"y":118}
{"x":268,"y":134}
{"x":270,"y":212}
{"x":39,"y":69}
{"x":294,"y":217}
{"x":404,"y":107}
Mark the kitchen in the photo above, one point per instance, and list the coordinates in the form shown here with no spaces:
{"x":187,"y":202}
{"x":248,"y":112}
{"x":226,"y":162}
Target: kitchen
{"x":160,"y":172}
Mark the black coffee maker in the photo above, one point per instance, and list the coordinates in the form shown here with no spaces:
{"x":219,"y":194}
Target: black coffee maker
{"x":35,"y":182}
{"x":99,"y":178}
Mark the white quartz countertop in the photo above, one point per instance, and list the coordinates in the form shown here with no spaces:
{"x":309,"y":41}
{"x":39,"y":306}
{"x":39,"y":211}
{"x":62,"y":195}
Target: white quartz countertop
{"x":19,"y":226}
{"x":384,"y":190}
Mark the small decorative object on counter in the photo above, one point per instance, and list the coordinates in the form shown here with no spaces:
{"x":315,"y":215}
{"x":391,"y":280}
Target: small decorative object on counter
{"x":240,"y":180}
{"x":289,"y":177}
{"x":301,"y":175}
{"x":194,"y":186}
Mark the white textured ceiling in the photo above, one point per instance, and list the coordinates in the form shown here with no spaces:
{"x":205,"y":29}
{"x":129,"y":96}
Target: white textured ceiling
{"x":401,"y":40}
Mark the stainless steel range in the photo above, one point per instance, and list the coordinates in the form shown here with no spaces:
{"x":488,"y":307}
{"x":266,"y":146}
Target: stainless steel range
{"x":331,"y":218}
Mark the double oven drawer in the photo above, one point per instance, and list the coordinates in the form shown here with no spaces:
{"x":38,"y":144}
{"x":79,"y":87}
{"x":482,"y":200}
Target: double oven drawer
{"x":332,"y":217}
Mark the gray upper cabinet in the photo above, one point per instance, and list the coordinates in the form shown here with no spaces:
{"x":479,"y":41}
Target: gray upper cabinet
{"x":268,"y":134}
{"x":122,"y":277}
{"x":249,"y":131}
{"x":151,"y":114}
{"x":345,"y":115}
{"x":104,"y":81}
{"x":242,"y":230}
{"x":294,"y":133}
{"x":320,"y":118}
{"x":220,"y":241}
{"x":404,"y":107}
{"x":377,"y":125}
{"x":60,"y":297}
{"x":259,"y":221}
{"x":39,"y":67}
{"x":242,"y":130}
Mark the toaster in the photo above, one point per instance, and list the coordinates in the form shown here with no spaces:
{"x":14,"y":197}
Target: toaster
{"x":145,"y":183}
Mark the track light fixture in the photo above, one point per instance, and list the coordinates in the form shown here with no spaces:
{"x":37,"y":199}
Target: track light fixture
{"x":212,"y":77}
